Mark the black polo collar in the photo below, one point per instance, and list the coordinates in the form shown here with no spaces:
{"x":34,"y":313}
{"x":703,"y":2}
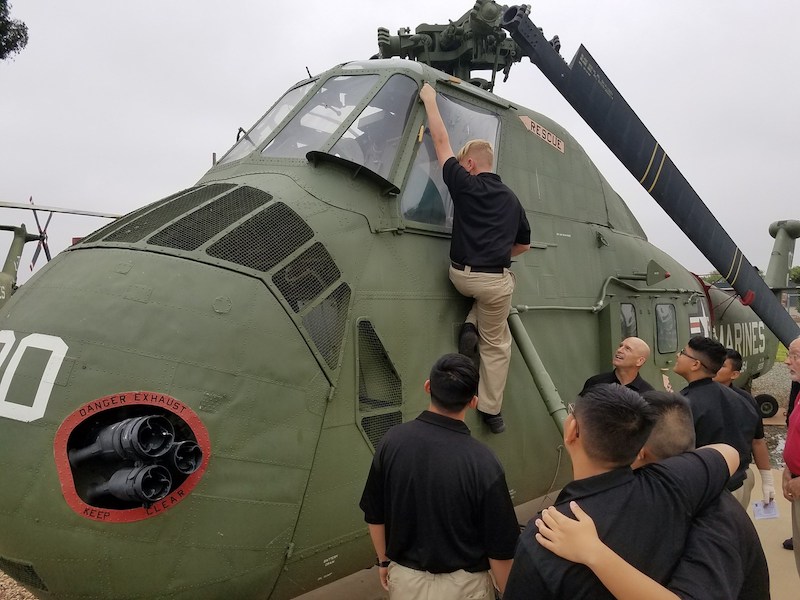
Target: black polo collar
{"x":589,"y":486}
{"x":698,"y":383}
{"x":433,"y":418}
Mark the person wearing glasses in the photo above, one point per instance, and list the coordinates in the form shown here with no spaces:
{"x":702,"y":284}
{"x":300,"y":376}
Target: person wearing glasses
{"x":791,"y":453}
{"x":723,"y":558}
{"x":644,"y":515}
{"x":728,"y":373}
{"x":631,"y":354}
{"x":720,"y":414}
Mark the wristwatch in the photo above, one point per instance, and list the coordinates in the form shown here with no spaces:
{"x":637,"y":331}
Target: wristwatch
{"x":383,"y":563}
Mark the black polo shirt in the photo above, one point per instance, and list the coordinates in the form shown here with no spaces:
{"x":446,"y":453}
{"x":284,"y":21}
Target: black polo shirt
{"x":643,"y":515}
{"x":488,"y":218}
{"x":723,"y":416}
{"x":637,"y":385}
{"x":749,"y":397}
{"x":442,"y":496}
{"x":723,"y":558}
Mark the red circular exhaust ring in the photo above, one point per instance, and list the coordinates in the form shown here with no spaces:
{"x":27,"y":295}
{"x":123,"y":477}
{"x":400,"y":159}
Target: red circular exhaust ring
{"x":90,"y":409}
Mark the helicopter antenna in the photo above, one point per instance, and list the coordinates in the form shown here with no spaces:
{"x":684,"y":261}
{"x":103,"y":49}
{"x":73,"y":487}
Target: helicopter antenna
{"x":309,"y":72}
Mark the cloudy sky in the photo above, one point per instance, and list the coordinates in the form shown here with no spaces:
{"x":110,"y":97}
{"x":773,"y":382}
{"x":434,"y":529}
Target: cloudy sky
{"x":115,"y":104}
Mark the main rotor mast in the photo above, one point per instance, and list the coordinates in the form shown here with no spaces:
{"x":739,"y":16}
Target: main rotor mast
{"x":475,"y":42}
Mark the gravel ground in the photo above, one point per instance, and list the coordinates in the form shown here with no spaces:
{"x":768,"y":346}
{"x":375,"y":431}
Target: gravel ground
{"x":9,"y":590}
{"x":777,"y":384}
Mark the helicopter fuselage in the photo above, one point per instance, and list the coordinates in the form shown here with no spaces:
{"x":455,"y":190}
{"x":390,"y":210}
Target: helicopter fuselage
{"x":281,"y":315}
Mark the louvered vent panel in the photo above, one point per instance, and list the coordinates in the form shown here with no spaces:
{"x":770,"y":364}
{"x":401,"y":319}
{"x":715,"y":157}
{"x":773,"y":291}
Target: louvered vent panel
{"x":22,"y":572}
{"x":378,"y":382}
{"x":376,"y":426}
{"x":326,"y":321}
{"x":138,"y":229}
{"x":123,"y":221}
{"x":306,"y":277}
{"x":264,"y":240}
{"x":196,"y":228}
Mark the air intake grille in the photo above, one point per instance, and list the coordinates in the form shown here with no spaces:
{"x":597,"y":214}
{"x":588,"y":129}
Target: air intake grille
{"x":376,"y":426}
{"x":264,"y":240}
{"x":326,"y":321}
{"x":22,"y":572}
{"x":306,"y":277}
{"x":198,"y":227}
{"x":138,"y":229}
{"x":123,"y":221}
{"x":378,"y":382}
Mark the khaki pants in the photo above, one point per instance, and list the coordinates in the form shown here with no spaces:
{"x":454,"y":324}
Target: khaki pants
{"x":410,"y":584}
{"x":796,"y":533}
{"x":743,"y":493}
{"x":492,"y":294}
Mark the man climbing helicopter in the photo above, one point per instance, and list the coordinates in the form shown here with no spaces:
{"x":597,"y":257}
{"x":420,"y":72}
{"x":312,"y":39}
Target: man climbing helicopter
{"x":489,"y":227}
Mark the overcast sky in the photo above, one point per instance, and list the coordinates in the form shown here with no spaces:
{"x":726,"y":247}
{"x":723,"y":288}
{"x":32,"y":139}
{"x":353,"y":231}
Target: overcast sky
{"x":113,"y":105}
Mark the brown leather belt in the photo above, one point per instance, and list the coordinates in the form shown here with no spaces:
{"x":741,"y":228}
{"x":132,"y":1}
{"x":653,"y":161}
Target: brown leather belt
{"x":461,"y":267}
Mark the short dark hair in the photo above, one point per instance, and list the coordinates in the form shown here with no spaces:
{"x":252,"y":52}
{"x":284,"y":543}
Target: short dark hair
{"x":673,"y":433}
{"x":614,"y":422}
{"x":735,"y":358}
{"x":454,"y":381}
{"x":712,"y":353}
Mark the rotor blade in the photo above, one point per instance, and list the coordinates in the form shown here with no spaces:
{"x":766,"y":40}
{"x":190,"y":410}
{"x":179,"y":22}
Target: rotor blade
{"x":46,"y":247}
{"x":36,"y":254}
{"x":584,"y":85}
{"x":70,"y":211}
{"x":38,"y":225}
{"x":44,"y":231}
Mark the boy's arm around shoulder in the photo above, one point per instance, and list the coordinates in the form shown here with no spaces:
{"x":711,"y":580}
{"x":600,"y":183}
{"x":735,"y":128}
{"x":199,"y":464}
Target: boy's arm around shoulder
{"x":729,"y":453}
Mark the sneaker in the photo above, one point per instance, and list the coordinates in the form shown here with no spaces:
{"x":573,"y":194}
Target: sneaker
{"x":468,"y":342}
{"x":788,"y":543}
{"x":495,"y":422}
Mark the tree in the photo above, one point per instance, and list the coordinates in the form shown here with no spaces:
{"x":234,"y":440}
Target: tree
{"x":13,"y":33}
{"x":712,"y":277}
{"x":794,"y":274}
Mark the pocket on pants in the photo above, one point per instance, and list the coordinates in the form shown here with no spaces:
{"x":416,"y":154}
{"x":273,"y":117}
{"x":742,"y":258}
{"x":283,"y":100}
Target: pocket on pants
{"x":474,"y":586}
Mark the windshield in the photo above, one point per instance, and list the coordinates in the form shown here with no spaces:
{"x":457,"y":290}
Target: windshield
{"x":374,"y":137}
{"x":321,"y":116}
{"x":261,"y":130}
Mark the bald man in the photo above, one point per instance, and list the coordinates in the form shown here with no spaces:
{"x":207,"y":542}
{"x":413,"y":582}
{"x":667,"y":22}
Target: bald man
{"x":631,"y":354}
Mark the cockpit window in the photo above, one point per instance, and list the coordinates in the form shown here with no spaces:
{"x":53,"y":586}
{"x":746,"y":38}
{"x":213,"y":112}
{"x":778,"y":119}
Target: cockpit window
{"x":373,"y":138}
{"x":311,"y":127}
{"x":425,"y":198}
{"x":261,"y":130}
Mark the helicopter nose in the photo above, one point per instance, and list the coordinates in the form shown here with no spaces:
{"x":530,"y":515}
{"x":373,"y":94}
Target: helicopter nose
{"x":223,"y":299}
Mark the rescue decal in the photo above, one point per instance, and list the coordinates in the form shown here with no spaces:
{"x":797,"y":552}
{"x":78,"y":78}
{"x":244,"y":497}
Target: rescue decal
{"x":542,"y":132}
